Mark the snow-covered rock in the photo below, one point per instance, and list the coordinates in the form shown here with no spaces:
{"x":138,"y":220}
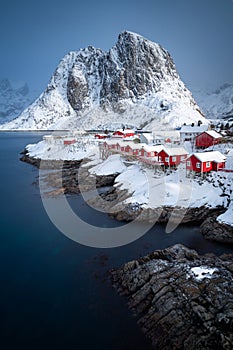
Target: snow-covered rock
{"x":217,"y":104}
{"x":14,"y":98}
{"x":135,"y":82}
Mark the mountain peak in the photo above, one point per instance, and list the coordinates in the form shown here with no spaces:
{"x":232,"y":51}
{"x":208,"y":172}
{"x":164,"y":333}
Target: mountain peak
{"x":135,"y":81}
{"x":126,"y":34}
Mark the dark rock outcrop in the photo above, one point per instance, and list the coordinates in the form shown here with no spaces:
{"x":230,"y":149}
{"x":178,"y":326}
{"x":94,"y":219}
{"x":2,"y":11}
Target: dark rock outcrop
{"x":182,"y":300}
{"x":162,"y":215}
{"x":66,"y":176}
{"x":216,"y":231}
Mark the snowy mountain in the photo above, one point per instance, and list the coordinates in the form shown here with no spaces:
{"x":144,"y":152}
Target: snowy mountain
{"x":14,"y":98}
{"x":217,"y":104}
{"x":134,"y":83}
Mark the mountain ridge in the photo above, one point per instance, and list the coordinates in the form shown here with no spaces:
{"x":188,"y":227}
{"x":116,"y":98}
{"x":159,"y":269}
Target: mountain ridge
{"x":15,"y":96}
{"x":217,"y":104}
{"x":135,"y":81}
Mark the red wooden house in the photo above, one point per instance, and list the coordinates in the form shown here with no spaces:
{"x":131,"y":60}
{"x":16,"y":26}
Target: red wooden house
{"x":101,"y":136}
{"x":69,"y":141}
{"x":149,"y":151}
{"x":128,"y":149}
{"x":207,"y":138}
{"x":172,"y":156}
{"x":123,"y":133}
{"x":120,"y":146}
{"x":110,"y":144}
{"x":205,"y":162}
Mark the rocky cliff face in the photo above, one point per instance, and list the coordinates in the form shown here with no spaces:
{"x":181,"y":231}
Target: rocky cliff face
{"x":182,"y":300}
{"x":91,"y":88}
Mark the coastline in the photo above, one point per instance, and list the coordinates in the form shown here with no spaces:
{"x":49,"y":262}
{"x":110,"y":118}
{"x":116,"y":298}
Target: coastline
{"x":182,"y":300}
{"x":112,"y":199}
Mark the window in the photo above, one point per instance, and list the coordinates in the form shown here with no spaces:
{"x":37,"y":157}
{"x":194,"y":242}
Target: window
{"x":173,"y":159}
{"x":208,"y":164}
{"x":198,"y":165}
{"x":188,"y":163}
{"x":182,"y":157}
{"x":167,"y":159}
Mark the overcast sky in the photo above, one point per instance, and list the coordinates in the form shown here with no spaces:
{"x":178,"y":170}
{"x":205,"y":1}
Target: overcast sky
{"x":35,"y":35}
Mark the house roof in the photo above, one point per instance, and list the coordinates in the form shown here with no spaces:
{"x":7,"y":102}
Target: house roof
{"x":148,"y":136}
{"x":212,"y":156}
{"x":213,"y":134}
{"x":175,"y":151}
{"x":194,"y":129}
{"x":70,"y":139}
{"x":126,"y":131}
{"x":111,"y":142}
{"x":121,"y":143}
{"x":172,"y":134}
{"x":150,"y":148}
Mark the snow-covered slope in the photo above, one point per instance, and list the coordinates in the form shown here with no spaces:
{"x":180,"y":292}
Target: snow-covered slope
{"x":14,"y":98}
{"x":217,"y":104}
{"x":135,"y":82}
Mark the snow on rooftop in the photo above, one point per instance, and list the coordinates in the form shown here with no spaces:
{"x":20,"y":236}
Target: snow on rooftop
{"x":125,"y":131}
{"x":213,"y":133}
{"x":214,"y":156}
{"x":111,"y":142}
{"x":194,"y":129}
{"x":148,"y":135}
{"x":175,"y":151}
{"x":152,"y":148}
{"x":173,"y":134}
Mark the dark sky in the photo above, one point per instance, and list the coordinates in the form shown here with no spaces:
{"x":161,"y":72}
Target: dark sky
{"x":35,"y":35}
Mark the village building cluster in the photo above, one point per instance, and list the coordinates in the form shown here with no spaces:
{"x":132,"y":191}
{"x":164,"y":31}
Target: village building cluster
{"x":166,"y":149}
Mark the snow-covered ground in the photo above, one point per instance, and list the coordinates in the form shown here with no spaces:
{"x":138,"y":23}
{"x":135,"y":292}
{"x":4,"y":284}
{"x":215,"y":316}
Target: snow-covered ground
{"x":227,"y":217}
{"x":148,"y":188}
{"x":112,"y":165}
{"x":77,"y":151}
{"x":153,"y":190}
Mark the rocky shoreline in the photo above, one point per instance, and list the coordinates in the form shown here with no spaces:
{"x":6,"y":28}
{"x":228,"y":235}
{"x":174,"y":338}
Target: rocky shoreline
{"x":213,"y":230}
{"x":182,"y":300}
{"x":76,"y":179}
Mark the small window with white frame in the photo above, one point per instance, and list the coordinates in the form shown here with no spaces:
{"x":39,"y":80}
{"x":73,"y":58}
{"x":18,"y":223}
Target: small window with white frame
{"x":188,"y":163}
{"x":174,"y":159}
{"x":208,"y":164}
{"x":198,"y":165}
{"x":166,"y":159}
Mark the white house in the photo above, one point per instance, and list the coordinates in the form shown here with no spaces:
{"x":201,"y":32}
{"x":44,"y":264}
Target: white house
{"x":163,"y":136}
{"x":189,"y":132}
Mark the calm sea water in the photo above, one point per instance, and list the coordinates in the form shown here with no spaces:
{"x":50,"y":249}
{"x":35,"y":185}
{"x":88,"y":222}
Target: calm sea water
{"x":55,"y":293}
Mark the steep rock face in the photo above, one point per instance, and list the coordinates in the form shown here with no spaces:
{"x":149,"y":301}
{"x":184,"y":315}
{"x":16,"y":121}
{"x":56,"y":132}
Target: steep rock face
{"x":182,"y":300}
{"x":91,"y":88}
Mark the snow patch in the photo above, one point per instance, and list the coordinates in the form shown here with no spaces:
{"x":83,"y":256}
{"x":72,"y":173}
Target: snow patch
{"x":112,"y":165}
{"x":201,"y":272}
